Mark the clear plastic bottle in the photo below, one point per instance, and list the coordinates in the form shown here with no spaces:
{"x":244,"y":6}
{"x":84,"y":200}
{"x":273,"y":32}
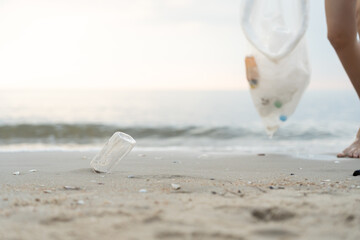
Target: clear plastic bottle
{"x":116,"y":148}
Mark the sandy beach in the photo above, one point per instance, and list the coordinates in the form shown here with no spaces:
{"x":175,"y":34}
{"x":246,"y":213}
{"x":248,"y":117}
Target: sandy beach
{"x":220,"y":195}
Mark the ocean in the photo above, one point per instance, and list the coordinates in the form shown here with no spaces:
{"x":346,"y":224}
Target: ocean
{"x":325,"y":122}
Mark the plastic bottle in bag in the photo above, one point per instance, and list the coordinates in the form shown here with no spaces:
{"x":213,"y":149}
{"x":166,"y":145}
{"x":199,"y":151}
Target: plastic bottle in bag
{"x":277,"y":66}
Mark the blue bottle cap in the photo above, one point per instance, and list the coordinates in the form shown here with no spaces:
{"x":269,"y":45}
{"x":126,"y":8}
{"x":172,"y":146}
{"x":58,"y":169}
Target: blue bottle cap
{"x":283,"y":118}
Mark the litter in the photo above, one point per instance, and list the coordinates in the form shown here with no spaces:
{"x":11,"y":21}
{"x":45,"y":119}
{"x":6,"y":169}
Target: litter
{"x":142,"y":191}
{"x":16,"y":173}
{"x":47,"y":191}
{"x":116,"y":148}
{"x":277,"y":66}
{"x":81,"y":202}
{"x":131,"y":176}
{"x":175,"y":186}
{"x":32,"y":170}
{"x":356,"y":173}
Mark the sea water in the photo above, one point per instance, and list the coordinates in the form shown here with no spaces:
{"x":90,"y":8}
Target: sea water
{"x":324,"y":122}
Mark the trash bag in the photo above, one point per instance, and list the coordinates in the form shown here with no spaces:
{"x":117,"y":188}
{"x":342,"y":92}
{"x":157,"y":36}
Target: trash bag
{"x":277,"y":65}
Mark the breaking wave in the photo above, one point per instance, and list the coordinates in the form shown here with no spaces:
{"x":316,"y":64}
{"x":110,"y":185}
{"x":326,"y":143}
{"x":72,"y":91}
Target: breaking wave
{"x":94,"y":133}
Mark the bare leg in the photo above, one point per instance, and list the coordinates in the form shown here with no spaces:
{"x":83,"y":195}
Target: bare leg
{"x":343,"y":19}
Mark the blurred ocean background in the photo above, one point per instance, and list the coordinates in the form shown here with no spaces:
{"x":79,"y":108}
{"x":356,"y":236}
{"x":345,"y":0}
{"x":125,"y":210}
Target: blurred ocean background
{"x":325,"y":121}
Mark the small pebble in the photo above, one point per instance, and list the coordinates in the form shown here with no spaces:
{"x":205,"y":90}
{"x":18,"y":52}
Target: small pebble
{"x":47,"y":191}
{"x":16,"y":173}
{"x":292,"y":174}
{"x":327,"y":180}
{"x":131,"y":176}
{"x":142,"y":191}
{"x":336,"y":161}
{"x":212,"y":179}
{"x":261,"y":154}
{"x":356,"y":173}
{"x":80,"y":202}
{"x":213,"y":192}
{"x":175,"y":186}
{"x":33,"y":170}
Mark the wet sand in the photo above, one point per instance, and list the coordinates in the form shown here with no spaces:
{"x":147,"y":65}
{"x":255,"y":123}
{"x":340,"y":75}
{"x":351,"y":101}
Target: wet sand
{"x":222,"y":195}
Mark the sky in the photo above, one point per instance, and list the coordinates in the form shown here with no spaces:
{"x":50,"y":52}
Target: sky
{"x":139,"y":45}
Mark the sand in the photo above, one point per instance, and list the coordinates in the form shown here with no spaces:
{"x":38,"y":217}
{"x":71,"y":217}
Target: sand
{"x":222,"y":195}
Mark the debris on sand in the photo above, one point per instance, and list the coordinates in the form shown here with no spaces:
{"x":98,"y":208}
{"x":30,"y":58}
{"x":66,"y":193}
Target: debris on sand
{"x":131,"y":176}
{"x":276,"y":187}
{"x":80,"y":202}
{"x":272,"y":214}
{"x":142,"y":191}
{"x":356,"y":173}
{"x":261,"y":154}
{"x":175,"y":186}
{"x":141,"y":155}
{"x":16,"y":173}
{"x":71,"y":188}
{"x":47,"y":191}
{"x":32,"y":170}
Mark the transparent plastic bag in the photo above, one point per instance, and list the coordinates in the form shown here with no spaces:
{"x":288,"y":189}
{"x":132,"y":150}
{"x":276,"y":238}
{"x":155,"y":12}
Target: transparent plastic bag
{"x":277,"y":66}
